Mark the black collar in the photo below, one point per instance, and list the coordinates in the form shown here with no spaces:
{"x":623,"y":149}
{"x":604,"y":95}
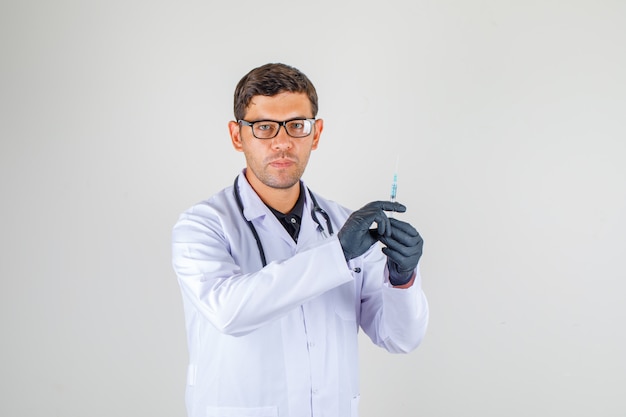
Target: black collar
{"x":292,"y":220}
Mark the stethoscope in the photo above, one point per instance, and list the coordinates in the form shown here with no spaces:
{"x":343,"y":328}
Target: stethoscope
{"x":316,"y":209}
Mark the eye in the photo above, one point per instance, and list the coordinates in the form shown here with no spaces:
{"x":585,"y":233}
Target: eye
{"x":263,"y":126}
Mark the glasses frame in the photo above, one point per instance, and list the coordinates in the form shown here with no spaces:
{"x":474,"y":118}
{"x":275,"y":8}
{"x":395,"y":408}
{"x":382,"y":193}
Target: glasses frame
{"x":280,"y":124}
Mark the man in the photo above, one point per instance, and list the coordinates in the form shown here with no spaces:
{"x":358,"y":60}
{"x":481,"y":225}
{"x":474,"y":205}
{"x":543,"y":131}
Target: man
{"x":273,"y":297}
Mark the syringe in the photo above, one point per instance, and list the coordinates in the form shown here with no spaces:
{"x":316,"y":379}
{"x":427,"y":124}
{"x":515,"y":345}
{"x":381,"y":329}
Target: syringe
{"x":394,"y":185}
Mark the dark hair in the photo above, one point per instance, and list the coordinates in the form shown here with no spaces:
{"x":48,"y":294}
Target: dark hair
{"x":269,"y":80}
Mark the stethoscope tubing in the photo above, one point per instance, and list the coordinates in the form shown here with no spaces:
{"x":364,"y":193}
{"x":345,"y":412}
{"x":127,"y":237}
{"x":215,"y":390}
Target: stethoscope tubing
{"x":316,"y":208}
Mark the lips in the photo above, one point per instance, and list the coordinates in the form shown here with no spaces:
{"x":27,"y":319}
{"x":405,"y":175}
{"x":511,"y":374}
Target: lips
{"x":282,"y":163}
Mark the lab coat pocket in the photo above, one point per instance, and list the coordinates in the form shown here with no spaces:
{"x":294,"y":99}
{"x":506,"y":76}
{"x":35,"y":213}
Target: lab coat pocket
{"x":354,"y":409}
{"x":242,"y":412}
{"x":346,"y":328}
{"x":344,"y":302}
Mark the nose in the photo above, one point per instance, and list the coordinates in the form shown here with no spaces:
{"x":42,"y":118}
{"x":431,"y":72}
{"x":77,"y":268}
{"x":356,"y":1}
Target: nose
{"x":282,"y":140}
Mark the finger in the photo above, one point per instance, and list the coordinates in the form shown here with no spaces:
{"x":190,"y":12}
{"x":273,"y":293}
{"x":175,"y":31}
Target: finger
{"x":404,"y":233}
{"x":403,"y":263}
{"x":387,"y":206}
{"x":381,"y":227}
{"x":403,"y":227}
{"x":373,"y":214}
{"x":406,"y":250}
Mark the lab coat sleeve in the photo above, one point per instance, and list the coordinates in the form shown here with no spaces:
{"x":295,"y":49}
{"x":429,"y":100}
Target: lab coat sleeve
{"x":393,"y":318}
{"x":237,"y":303}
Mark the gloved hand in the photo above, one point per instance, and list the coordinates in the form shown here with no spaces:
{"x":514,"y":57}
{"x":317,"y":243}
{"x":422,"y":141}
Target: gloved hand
{"x":356,"y":237}
{"x":403,"y":250}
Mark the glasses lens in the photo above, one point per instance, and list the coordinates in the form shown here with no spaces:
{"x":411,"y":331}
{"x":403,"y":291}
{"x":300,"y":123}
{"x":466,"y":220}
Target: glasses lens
{"x":299,"y":128}
{"x":265,"y":129}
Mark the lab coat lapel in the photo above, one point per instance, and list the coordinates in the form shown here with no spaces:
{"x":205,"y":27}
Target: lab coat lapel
{"x":267,"y":225}
{"x":253,"y":207}
{"x":309,"y":232}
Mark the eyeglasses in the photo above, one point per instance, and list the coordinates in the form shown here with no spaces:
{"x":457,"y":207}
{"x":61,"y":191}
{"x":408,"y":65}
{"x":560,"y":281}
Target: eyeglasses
{"x":268,"y":129}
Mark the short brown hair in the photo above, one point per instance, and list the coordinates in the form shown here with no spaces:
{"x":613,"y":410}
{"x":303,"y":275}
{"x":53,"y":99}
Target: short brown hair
{"x":269,"y":80}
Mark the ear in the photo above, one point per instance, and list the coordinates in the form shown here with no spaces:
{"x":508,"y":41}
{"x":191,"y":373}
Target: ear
{"x":319,"y":126}
{"x":235,"y":135}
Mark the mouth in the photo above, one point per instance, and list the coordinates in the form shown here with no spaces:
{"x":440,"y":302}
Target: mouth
{"x":282,"y":163}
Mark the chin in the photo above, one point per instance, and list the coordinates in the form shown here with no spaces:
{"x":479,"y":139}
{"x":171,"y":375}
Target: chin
{"x":282,"y":185}
{"x":279,"y":180}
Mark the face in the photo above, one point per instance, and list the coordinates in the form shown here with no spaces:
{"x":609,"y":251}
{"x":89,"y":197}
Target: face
{"x":276,"y":163}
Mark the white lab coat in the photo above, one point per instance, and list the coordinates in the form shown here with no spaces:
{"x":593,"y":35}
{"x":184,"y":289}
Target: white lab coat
{"x":281,"y":340}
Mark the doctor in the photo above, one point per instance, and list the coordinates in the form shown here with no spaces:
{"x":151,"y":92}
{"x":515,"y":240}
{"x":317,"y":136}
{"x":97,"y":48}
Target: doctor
{"x":276,"y":280}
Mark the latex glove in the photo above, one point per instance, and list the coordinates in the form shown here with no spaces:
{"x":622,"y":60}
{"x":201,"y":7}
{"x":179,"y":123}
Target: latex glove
{"x":356,"y":237}
{"x":403,"y":250}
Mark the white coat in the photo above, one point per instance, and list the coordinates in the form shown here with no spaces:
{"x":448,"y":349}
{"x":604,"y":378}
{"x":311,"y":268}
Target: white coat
{"x":281,"y":340}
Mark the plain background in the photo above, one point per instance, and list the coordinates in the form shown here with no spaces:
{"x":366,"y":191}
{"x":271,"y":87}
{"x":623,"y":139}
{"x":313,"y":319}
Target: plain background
{"x":509,"y":120}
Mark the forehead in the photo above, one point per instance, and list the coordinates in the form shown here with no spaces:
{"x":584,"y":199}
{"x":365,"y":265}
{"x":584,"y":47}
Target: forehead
{"x":281,"y":106}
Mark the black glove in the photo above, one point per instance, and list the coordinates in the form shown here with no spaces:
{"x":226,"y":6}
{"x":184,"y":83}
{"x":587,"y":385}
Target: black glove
{"x":403,"y":250}
{"x":356,"y":237}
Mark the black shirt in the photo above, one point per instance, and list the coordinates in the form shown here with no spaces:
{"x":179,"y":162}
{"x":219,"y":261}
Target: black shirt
{"x":291,"y":221}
